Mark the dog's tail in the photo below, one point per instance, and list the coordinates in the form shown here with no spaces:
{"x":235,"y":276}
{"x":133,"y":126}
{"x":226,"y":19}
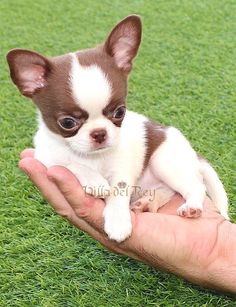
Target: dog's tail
{"x":215,"y":188}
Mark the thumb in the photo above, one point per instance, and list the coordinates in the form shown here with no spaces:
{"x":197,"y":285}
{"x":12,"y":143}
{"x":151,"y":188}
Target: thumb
{"x":84,"y":205}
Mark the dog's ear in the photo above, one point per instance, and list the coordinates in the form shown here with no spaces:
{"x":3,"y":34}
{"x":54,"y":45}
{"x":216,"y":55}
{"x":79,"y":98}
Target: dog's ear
{"x":29,"y":70}
{"x":124,"y":40}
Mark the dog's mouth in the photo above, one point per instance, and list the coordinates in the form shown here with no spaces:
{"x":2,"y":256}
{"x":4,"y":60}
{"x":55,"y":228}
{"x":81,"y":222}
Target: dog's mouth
{"x":78,"y":149}
{"x":100,"y":148}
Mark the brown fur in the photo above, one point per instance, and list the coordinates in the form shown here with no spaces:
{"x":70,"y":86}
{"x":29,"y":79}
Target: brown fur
{"x":155,"y":136}
{"x":47,"y":80}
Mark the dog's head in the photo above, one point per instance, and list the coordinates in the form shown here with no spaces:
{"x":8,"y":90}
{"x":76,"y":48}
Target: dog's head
{"x":81,"y":96}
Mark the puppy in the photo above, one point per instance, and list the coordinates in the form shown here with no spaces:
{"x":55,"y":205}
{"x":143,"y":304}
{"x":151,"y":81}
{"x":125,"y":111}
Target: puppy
{"x":84,"y":126}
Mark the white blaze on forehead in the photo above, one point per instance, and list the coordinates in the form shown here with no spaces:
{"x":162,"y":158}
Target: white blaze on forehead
{"x":90,"y":87}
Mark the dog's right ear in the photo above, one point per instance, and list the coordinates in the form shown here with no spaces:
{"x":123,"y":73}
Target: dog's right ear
{"x":28,"y":70}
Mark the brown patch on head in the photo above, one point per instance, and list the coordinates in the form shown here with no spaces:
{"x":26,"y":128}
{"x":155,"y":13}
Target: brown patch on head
{"x":155,"y":136}
{"x":56,"y":100}
{"x":115,"y":112}
{"x":47,"y":81}
{"x":115,"y":58}
{"x":116,"y":77}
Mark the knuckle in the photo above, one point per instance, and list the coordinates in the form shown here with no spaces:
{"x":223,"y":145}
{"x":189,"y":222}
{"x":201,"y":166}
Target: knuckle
{"x":67,"y":191}
{"x":64,"y":213}
{"x":82,"y":212}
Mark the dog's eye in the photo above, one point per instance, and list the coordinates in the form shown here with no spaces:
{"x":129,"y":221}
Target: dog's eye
{"x":119,"y":112}
{"x":67,"y":123}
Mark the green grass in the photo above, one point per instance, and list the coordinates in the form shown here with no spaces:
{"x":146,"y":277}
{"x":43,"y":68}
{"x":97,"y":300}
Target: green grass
{"x":184,"y":76}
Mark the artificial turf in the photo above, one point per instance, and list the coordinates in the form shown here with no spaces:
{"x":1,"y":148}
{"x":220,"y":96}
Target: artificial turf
{"x":184,"y":76}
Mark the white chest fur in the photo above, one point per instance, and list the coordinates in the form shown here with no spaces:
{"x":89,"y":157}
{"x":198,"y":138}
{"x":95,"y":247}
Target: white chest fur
{"x":174,"y":166}
{"x":127,"y":156}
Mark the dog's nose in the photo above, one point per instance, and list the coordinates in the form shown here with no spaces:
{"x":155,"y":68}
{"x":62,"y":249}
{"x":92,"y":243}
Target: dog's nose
{"x":99,"y":135}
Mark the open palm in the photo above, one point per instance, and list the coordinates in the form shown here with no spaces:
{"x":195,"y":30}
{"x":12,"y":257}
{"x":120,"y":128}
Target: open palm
{"x":191,"y":248}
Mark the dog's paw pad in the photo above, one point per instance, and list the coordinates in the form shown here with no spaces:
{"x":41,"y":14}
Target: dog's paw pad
{"x":140,"y":205}
{"x":190,"y":211}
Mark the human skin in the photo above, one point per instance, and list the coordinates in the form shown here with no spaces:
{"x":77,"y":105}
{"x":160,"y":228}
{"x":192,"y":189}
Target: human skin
{"x":201,"y":250}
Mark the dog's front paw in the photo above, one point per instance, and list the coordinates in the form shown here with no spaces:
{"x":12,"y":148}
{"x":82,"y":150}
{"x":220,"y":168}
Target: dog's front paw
{"x":141,"y":205}
{"x":117,"y":224}
{"x":190,"y":210}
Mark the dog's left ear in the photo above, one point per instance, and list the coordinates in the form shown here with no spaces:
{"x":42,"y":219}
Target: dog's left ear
{"x":124,"y":40}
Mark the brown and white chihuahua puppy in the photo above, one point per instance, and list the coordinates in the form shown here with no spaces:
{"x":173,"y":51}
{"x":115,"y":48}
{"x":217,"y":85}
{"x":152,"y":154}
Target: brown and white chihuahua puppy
{"x":84,"y":126}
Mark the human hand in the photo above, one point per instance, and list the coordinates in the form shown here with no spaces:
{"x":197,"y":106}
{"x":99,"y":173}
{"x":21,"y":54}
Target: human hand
{"x":201,"y":250}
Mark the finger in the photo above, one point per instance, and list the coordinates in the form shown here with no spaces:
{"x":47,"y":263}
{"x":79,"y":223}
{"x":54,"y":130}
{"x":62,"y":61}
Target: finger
{"x":37,"y":173}
{"x":84,"y":205}
{"x":87,"y":208}
{"x":27,"y":153}
{"x":172,"y":205}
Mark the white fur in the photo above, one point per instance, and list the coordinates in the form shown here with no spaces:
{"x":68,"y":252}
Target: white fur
{"x":90,"y":87}
{"x":53,"y":149}
{"x":91,"y":91}
{"x":117,"y":219}
{"x":91,"y":180}
{"x":174,"y":166}
{"x":121,"y":163}
{"x":215,"y":188}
